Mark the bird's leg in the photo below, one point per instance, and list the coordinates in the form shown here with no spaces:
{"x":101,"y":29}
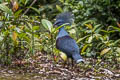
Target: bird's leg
{"x":64,"y":64}
{"x":67,"y":64}
{"x":72,"y":63}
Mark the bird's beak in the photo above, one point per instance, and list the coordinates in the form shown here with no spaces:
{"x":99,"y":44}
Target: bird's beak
{"x":55,"y":24}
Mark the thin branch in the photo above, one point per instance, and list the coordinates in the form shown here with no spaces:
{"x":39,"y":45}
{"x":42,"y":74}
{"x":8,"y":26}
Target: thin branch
{"x":30,"y":6}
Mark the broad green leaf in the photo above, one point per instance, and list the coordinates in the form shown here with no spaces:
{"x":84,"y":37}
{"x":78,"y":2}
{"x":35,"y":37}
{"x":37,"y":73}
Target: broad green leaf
{"x":26,"y":1}
{"x":118,"y":59}
{"x":29,"y":25}
{"x":90,"y":39}
{"x":47,"y":24}
{"x":63,"y":56}
{"x":84,"y":48}
{"x":35,"y":9}
{"x":6,"y":9}
{"x":104,"y":51}
{"x":88,"y":22}
{"x":97,"y":36}
{"x":95,"y":27}
{"x":98,"y":30}
{"x":118,"y":50}
{"x":112,"y":31}
{"x":82,"y":39}
{"x":72,"y":31}
{"x":105,"y":31}
{"x":35,"y":28}
{"x":117,"y":28}
{"x":17,"y":14}
{"x":117,"y":41}
{"x":99,"y":45}
{"x":59,"y":8}
{"x":81,"y":3}
{"x":89,"y":26}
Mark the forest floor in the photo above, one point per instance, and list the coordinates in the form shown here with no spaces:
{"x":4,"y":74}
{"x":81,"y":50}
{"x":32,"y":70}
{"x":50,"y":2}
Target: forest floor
{"x":42,"y":67}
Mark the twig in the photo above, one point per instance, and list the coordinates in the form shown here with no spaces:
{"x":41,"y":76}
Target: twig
{"x":29,"y":8}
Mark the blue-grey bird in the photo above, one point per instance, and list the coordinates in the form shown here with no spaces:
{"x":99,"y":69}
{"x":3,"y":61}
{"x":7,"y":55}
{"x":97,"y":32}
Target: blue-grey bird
{"x":64,"y":42}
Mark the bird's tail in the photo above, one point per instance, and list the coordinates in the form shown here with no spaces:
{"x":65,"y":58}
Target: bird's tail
{"x":65,"y":17}
{"x":77,"y":58}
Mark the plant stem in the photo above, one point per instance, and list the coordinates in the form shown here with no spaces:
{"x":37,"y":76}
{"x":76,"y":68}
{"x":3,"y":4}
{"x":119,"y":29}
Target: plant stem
{"x":30,"y":6}
{"x":32,"y":42}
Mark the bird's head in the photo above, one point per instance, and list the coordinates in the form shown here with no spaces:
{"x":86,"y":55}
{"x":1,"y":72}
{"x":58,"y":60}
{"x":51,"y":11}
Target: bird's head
{"x":58,"y":23}
{"x":64,"y":18}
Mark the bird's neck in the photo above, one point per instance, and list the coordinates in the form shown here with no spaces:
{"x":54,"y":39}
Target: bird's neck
{"x":62,"y":32}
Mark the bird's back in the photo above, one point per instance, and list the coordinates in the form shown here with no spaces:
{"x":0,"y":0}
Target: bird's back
{"x":67,"y":45}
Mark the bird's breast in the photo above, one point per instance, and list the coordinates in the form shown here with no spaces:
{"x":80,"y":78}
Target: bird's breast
{"x":60,"y":40}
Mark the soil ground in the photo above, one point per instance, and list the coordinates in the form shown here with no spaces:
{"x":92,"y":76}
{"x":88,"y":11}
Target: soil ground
{"x":43,"y":67}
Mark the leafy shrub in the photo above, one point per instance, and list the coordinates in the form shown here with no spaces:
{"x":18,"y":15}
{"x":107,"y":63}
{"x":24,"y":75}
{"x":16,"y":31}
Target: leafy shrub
{"x":96,"y":28}
{"x":97,"y":23}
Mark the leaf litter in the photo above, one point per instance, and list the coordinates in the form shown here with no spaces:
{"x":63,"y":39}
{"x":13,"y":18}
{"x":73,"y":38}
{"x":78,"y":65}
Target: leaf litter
{"x":40,"y":67}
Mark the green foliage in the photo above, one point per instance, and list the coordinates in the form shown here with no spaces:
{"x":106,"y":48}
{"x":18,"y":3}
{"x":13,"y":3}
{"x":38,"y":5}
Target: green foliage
{"x":5,"y":9}
{"x":97,"y":25}
{"x":47,"y":24}
{"x":18,"y":34}
{"x":26,"y":28}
